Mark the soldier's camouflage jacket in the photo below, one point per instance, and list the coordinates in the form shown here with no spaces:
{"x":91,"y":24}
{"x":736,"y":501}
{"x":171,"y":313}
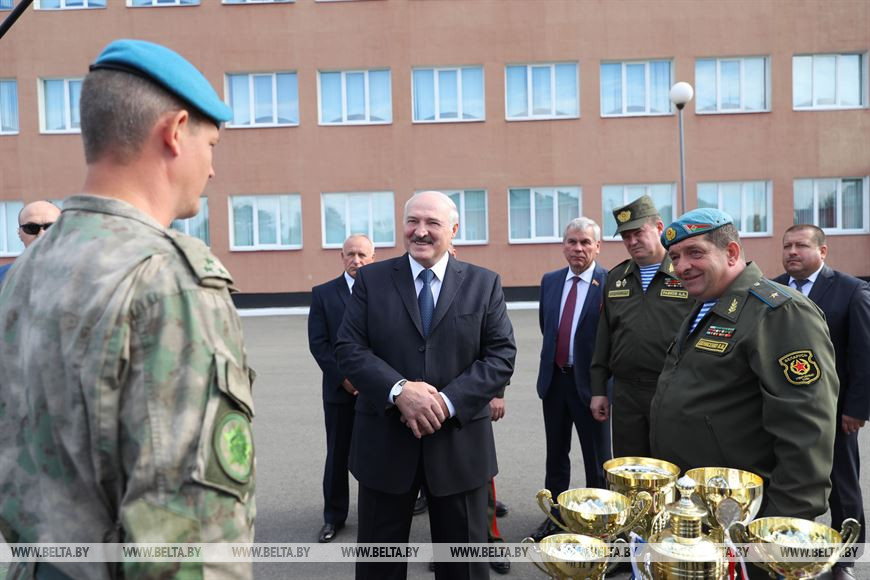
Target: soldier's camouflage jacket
{"x":125,"y":395}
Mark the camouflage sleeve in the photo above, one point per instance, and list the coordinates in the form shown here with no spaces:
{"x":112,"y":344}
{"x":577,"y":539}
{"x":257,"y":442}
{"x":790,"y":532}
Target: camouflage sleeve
{"x":599,"y":370}
{"x":185,"y":420}
{"x":794,"y":359}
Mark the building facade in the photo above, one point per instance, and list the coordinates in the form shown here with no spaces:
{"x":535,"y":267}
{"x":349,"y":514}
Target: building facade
{"x":527,"y":112}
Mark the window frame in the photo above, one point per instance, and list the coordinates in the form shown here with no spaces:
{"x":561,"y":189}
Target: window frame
{"x":532,"y":188}
{"x":243,"y":2}
{"x":865,"y":192}
{"x":435,"y":94}
{"x":253,"y":124}
{"x":11,"y":6}
{"x":530,"y":95}
{"x":768,"y":190}
{"x":718,"y":60}
{"x":367,"y":97}
{"x":626,"y":199}
{"x":624,"y":92}
{"x":256,"y":246}
{"x":17,"y":108}
{"x":457,"y":241}
{"x":327,"y":246}
{"x":67,"y":110}
{"x":184,"y":224}
{"x":38,"y":5}
{"x":862,"y":70}
{"x":154,"y":4}
{"x":5,"y":252}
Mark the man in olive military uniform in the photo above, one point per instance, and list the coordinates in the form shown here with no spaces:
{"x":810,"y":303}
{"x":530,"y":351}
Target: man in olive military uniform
{"x":750,"y":381}
{"x":644,"y":305}
{"x":126,"y":401}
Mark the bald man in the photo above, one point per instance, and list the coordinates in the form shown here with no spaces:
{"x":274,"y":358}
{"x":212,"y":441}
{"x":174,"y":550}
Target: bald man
{"x":34,"y":219}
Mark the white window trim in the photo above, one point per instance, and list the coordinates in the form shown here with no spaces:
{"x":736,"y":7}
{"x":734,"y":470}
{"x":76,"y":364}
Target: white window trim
{"x":814,"y":107}
{"x":66,"y":106}
{"x":37,"y":5}
{"x":448,"y":192}
{"x":367,"y":98}
{"x":435,"y":70}
{"x":255,"y":225}
{"x":253,"y":124}
{"x":626,"y":201}
{"x":4,"y":205}
{"x":768,"y":185}
{"x":624,"y":92}
{"x":530,"y":96}
{"x":155,"y":5}
{"x":185,"y":223}
{"x":742,"y":110}
{"x":865,"y":190}
{"x":243,"y":2}
{"x":2,"y":132}
{"x":543,"y":240}
{"x":347,"y":230}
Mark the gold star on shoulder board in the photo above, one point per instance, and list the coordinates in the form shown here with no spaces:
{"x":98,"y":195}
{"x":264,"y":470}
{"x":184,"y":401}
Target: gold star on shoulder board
{"x":774,"y":295}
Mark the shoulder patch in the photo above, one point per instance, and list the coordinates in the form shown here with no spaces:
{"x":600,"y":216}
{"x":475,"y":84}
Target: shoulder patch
{"x":800,"y":367}
{"x":770,"y":293}
{"x":205,"y":266}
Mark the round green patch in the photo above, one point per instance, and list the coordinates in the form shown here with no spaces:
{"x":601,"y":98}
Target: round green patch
{"x":234,"y":446}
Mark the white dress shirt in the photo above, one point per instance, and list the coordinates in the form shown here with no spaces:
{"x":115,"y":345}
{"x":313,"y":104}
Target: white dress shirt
{"x":811,"y":279}
{"x":582,"y":290}
{"x":350,"y":280}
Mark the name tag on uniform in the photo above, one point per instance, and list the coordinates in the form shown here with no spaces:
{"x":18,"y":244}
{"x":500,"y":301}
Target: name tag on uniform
{"x":668,"y":293}
{"x":716,"y":346}
{"x":618,"y":293}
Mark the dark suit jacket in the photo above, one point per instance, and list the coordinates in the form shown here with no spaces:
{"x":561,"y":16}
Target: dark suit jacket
{"x":469,"y":355}
{"x":552,"y":285}
{"x":845,"y":300}
{"x":328,"y":303}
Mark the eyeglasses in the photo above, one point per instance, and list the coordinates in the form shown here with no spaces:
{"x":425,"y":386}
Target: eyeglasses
{"x":32,"y":229}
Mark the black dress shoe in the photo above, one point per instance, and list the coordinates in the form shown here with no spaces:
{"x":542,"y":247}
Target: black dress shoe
{"x":501,"y":510}
{"x":328,"y":532}
{"x":420,"y":505}
{"x":548,"y":528}
{"x":500,"y":565}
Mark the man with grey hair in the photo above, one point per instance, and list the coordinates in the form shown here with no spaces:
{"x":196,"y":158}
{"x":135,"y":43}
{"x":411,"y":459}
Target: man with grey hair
{"x":427,"y":343}
{"x":568,"y":316}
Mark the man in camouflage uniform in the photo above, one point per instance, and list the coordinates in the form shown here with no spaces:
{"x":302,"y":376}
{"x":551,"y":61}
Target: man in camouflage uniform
{"x":750,"y":381}
{"x":126,"y":400}
{"x":644,"y":305}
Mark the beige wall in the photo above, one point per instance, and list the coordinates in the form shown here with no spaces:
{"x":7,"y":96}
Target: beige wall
{"x":403,"y":157}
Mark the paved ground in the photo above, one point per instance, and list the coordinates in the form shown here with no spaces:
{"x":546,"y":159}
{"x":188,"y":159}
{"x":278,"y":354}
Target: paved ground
{"x":291,"y":445}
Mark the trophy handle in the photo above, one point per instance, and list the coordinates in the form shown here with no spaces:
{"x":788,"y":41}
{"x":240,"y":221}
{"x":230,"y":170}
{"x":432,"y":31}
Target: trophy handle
{"x":849,"y":534}
{"x":738,"y":533}
{"x":545,"y":502}
{"x":537,"y":551}
{"x":639,"y":508}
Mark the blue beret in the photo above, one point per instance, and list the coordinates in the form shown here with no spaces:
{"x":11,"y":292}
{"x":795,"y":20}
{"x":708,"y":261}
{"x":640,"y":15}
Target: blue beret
{"x":168,"y":69}
{"x":694,"y":223}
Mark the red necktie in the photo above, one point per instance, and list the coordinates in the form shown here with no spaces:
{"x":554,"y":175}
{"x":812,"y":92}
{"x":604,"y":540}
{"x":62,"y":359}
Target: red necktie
{"x":563,"y":341}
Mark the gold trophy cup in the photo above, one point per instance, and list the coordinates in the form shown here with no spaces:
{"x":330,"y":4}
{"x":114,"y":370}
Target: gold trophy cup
{"x":729,"y":495}
{"x":599,"y":513}
{"x":632,"y":475}
{"x":775,"y":538}
{"x":571,"y":556}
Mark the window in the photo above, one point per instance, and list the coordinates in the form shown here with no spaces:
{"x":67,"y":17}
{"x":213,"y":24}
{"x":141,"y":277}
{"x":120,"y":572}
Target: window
{"x":540,"y":214}
{"x":747,"y":202}
{"x":197,"y":226}
{"x":8,"y":106}
{"x":69,"y":4}
{"x":266,"y":222}
{"x":162,"y":2}
{"x":542,"y":91}
{"x":732,"y":85}
{"x":355,"y":97}
{"x":5,"y":4}
{"x":471,"y":204}
{"x":614,"y":196}
{"x":448,"y":94}
{"x":835,"y":205}
{"x":635,"y":88}
{"x":60,"y":105}
{"x":10,"y":243}
{"x":358,"y":213}
{"x":256,"y":1}
{"x":263,"y":99}
{"x":829,"y":81}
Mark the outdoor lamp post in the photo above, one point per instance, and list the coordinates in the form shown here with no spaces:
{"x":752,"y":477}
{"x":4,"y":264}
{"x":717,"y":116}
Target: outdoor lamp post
{"x":681,"y":93}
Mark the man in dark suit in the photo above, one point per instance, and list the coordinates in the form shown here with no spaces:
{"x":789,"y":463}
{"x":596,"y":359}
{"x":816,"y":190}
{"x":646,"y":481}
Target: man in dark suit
{"x":568,"y":315}
{"x":427,"y":342}
{"x":845,"y":300}
{"x":327,"y":309}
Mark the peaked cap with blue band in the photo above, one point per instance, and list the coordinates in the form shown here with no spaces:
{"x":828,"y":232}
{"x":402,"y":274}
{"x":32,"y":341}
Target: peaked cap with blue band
{"x":694,"y":223}
{"x":167,"y":69}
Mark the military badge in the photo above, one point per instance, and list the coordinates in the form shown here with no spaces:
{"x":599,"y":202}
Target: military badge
{"x":716,"y":346}
{"x":624,"y":216}
{"x":671,"y":268}
{"x":720,"y":331}
{"x":668,"y":293}
{"x":800,"y":368}
{"x":234,"y":446}
{"x":673,"y":283}
{"x":619,"y":293}
{"x":670,"y":234}
{"x":695,"y":228}
{"x":733,"y":308}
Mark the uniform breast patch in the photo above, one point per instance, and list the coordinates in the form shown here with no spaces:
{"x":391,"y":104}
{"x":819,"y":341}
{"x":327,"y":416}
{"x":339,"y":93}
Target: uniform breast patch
{"x":668,"y":293}
{"x":716,"y":346}
{"x":618,"y":293}
{"x":800,"y":368}
{"x":720,"y":331}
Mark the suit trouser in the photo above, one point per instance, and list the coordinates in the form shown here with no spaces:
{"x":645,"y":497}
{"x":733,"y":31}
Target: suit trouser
{"x":336,"y":494}
{"x":563,"y":409}
{"x":631,"y":417}
{"x":455,"y":519}
{"x":845,"y":500}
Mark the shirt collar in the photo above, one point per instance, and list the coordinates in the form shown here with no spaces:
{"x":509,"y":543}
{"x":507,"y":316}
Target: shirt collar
{"x":438,"y":269}
{"x":585,"y":275}
{"x":350,"y":280}
{"x":811,"y":278}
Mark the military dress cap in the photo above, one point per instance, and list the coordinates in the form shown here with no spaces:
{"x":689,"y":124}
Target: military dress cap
{"x":168,"y":69}
{"x":694,"y":223}
{"x":633,"y":215}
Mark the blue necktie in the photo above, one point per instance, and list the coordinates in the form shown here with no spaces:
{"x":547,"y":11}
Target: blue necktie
{"x":425,"y":300}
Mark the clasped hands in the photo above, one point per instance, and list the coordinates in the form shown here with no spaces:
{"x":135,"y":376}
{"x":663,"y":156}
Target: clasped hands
{"x":423,"y":409}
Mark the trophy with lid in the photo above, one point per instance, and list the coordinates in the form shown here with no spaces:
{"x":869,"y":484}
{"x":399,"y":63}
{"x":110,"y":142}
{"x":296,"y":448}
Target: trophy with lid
{"x":633,"y":476}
